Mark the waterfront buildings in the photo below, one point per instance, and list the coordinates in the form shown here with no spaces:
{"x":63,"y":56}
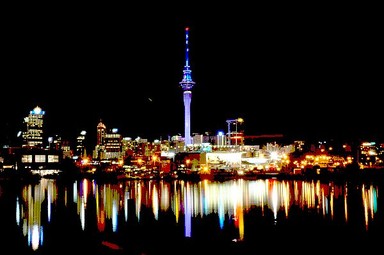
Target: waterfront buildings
{"x":207,"y":152}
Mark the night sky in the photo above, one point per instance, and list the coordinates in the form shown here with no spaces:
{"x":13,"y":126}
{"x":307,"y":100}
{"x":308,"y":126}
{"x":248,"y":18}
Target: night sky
{"x":301,"y":71}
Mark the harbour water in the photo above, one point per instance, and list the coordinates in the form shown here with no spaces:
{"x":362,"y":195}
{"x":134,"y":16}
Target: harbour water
{"x":238,"y":216}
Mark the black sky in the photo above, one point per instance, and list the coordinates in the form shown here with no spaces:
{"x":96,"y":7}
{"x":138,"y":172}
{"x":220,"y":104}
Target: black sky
{"x":296,"y":70}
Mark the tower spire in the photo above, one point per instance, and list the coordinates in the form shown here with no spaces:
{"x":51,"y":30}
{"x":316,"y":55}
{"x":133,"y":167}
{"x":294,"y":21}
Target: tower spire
{"x":187,"y":84}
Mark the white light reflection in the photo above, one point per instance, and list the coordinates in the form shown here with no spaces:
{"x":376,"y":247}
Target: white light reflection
{"x":84,"y":193}
{"x":49,"y":210}
{"x":274,"y":201}
{"x":126,"y":199}
{"x":165,"y":197}
{"x":286,"y":197}
{"x":155,"y":203}
{"x":195,"y":197}
{"x":17,"y":211}
{"x":115,"y":214}
{"x":138,"y":200}
{"x":75,"y":193}
{"x":188,"y":212}
{"x":257,"y":194}
{"x":82,"y":213}
{"x":324,"y":203}
{"x":35,"y":237}
{"x":205,"y":193}
{"x":221,"y":209}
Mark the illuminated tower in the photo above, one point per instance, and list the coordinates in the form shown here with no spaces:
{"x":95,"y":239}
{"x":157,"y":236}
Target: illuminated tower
{"x":187,"y":84}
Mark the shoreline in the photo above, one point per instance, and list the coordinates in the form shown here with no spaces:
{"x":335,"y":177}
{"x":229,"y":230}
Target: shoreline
{"x":350,"y":174}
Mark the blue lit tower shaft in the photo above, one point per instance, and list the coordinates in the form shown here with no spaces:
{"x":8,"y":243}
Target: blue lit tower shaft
{"x":187,"y":84}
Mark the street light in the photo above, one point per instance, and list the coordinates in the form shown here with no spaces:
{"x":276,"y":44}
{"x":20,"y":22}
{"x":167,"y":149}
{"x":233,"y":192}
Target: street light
{"x":236,"y":121}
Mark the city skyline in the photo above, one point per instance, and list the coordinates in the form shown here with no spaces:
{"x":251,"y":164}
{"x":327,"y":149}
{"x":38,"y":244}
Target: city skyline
{"x":311,"y":73}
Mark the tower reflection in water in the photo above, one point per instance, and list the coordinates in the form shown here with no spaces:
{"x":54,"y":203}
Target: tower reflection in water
{"x":112,"y":205}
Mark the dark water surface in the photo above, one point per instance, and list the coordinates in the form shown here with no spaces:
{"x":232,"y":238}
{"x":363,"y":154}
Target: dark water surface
{"x":183,"y":217}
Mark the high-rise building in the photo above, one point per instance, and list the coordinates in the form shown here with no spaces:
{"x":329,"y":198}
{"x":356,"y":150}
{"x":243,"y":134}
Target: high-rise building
{"x":108,"y":144}
{"x":80,"y":144}
{"x":33,"y":134}
{"x":101,"y":130}
{"x":113,"y":145}
{"x":186,"y":84}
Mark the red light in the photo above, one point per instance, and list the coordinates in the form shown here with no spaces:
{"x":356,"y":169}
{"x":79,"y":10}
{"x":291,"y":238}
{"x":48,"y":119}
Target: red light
{"x":187,"y":28}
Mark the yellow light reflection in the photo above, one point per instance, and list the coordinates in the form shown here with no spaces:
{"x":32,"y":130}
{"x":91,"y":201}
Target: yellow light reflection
{"x":369,"y":196}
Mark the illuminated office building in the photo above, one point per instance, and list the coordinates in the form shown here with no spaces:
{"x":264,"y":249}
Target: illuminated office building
{"x":33,"y":135}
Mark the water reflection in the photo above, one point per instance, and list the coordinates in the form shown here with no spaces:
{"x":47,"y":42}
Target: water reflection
{"x":29,"y":210}
{"x":230,"y":205}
